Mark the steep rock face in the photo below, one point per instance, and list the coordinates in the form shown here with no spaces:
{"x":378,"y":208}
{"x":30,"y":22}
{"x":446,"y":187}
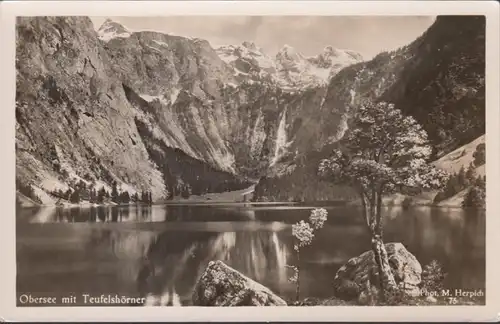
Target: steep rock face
{"x":97,"y":89}
{"x":72,"y":116}
{"x":221,"y":285}
{"x":448,"y":69}
{"x":203,"y":106}
{"x":438,"y":79}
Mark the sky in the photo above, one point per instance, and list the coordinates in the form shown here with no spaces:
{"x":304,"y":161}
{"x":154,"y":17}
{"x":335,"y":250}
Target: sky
{"x":309,"y":35}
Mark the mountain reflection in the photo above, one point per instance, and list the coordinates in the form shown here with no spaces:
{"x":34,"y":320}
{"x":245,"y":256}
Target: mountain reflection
{"x":175,"y":261}
{"x":159,"y":252}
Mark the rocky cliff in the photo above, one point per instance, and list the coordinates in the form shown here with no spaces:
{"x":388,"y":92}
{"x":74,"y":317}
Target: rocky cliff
{"x":233,"y":107}
{"x":438,"y":79}
{"x":73,"y":120}
{"x":165,"y":113}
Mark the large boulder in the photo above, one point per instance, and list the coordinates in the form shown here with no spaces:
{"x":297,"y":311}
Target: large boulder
{"x":221,"y":285}
{"x":359,"y":277}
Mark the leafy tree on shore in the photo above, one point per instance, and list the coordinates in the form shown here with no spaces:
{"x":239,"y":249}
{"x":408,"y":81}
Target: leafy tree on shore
{"x":382,"y":152}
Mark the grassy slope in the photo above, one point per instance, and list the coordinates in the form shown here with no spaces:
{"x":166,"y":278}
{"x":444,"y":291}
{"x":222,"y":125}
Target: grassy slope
{"x":451,"y":162}
{"x":461,"y":157}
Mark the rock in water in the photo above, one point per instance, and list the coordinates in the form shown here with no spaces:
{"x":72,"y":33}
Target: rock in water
{"x":221,"y":285}
{"x":359,"y":277}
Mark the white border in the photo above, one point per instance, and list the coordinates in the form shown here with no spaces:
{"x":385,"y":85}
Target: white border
{"x":8,"y":12}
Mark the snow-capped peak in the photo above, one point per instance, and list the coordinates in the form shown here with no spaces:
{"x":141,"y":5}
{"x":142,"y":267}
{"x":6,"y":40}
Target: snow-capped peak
{"x":246,"y":56}
{"x":288,"y":53}
{"x":111,"y":29}
{"x":288,"y":68}
{"x":251,"y":46}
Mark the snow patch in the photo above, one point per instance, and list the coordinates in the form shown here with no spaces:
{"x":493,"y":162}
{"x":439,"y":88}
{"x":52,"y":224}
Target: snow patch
{"x":320,"y":73}
{"x":150,"y":98}
{"x":174,"y":95}
{"x":160,"y":43}
{"x":264,"y":62}
{"x":228,"y":58}
{"x":106,"y":36}
{"x":153,"y":48}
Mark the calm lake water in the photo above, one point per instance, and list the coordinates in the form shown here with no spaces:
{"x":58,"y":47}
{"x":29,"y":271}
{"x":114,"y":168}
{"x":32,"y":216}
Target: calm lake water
{"x":160,"y":251}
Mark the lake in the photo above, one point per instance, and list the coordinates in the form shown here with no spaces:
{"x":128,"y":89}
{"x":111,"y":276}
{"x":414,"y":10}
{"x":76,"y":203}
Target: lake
{"x":160,"y":251}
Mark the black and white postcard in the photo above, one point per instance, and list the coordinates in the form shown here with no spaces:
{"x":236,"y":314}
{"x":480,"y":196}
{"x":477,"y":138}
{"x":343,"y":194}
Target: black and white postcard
{"x":171,"y":156}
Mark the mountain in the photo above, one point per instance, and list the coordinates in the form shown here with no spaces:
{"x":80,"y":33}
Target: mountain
{"x":72,"y":116}
{"x":75,"y":121}
{"x":438,"y":79}
{"x":172,"y":115}
{"x":221,"y":106}
{"x":289,"y":69}
{"x":151,"y":111}
{"x":110,"y":29}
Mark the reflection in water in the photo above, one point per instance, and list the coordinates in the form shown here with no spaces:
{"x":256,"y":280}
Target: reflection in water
{"x":159,"y":252}
{"x":175,"y":263}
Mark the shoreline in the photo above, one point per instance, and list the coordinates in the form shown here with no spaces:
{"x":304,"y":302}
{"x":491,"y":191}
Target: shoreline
{"x":242,"y":204}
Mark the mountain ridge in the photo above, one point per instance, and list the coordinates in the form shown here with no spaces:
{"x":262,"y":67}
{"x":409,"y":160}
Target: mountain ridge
{"x":125,"y":99}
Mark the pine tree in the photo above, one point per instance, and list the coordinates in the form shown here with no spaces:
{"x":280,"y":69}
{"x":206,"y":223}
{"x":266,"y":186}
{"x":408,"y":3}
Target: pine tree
{"x":68,"y":194}
{"x":475,"y":197}
{"x":101,"y":195}
{"x":470,"y":175}
{"x":480,"y":155}
{"x":81,"y":185}
{"x":480,"y":182}
{"x":75,"y":197}
{"x":461,"y":179}
{"x":114,"y":194}
{"x":125,"y":197}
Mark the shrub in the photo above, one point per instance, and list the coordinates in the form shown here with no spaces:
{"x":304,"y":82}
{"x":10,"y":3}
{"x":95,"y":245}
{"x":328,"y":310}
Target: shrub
{"x":432,"y":277}
{"x":480,"y":154}
{"x":303,"y":233}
